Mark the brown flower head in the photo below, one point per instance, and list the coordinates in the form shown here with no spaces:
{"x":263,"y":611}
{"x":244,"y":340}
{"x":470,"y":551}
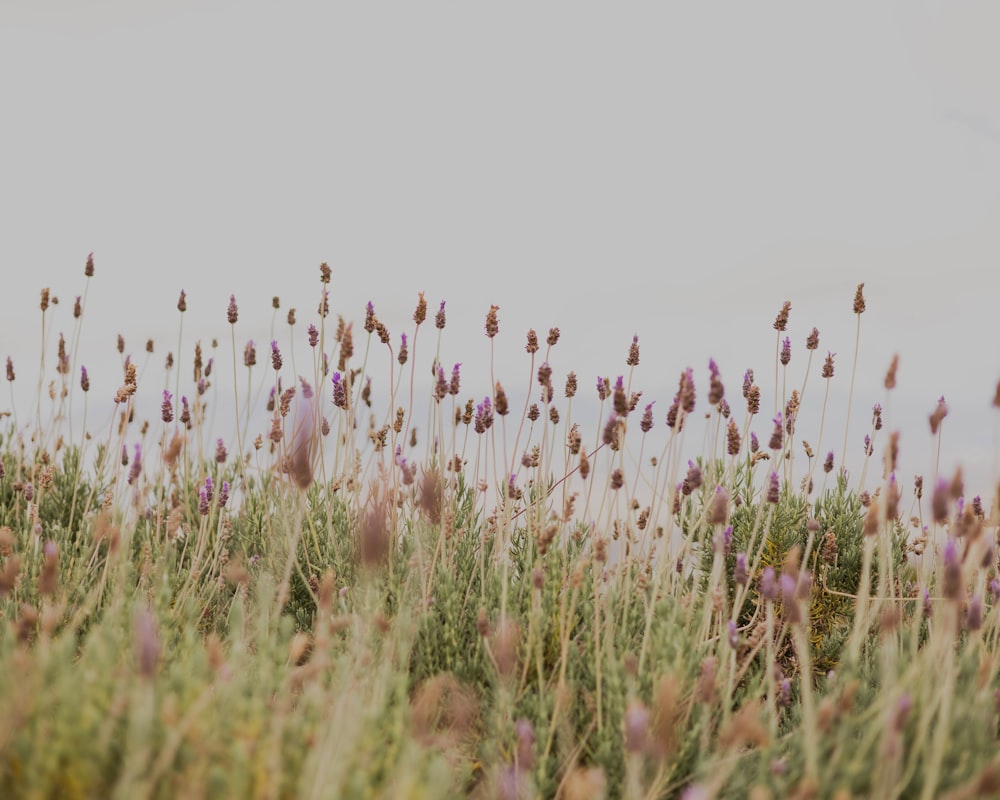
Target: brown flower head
{"x":492,"y":325}
{"x":781,"y":321}
{"x":859,"y":300}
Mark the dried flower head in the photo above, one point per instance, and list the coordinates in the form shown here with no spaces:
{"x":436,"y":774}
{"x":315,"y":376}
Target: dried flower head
{"x":781,"y":321}
{"x":439,"y":318}
{"x":938,"y":415}
{"x":492,"y":325}
{"x":828,"y":365}
{"x":859,"y":300}
{"x":232,"y":310}
{"x":812,"y":340}
{"x":420,"y":313}
{"x":633,"y":353}
{"x":324,"y":273}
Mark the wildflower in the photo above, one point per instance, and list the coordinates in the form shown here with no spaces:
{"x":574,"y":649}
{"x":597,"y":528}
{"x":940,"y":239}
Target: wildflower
{"x":781,"y":321}
{"x":10,"y":369}
{"x":439,"y":317}
{"x":232,"y":311}
{"x":828,"y":462}
{"x":633,"y":353}
{"x":940,"y":502}
{"x":492,"y":326}
{"x":84,"y":379}
{"x":828,"y":365}
{"x":733,"y":635}
{"x":812,"y":340}
{"x":733,"y":440}
{"x":48,"y":577}
{"x":570,"y":384}
{"x":740,"y":575}
{"x":339,"y":391}
{"x":859,"y":300}
{"x":313,"y":335}
{"x":768,"y":585}
{"x":637,"y":720}
{"x":938,"y":415}
{"x":646,"y":423}
{"x":532,"y":345}
{"x":716,"y":388}
{"x":718,"y":512}
{"x":146,"y":640}
{"x":951,"y":584}
{"x":136,"y":469}
{"x":484,"y":416}
{"x":974,"y":614}
{"x":773,"y":488}
{"x":786,"y":351}
{"x":441,"y":387}
{"x":420,"y":314}
{"x":777,"y":436}
{"x":88,"y":269}
{"x":403,"y":351}
{"x":224,"y":494}
{"x":220,"y":452}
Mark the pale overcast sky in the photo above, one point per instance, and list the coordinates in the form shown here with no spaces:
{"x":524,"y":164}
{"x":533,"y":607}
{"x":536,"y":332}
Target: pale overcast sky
{"x":670,"y":170}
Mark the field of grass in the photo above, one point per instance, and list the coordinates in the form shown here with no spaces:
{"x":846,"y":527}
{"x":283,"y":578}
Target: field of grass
{"x":523,"y":604}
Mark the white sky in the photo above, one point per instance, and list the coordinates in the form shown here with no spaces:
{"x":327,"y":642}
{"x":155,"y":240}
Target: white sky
{"x":667,"y":170}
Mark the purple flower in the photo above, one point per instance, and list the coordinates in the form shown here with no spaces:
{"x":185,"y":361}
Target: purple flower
{"x":136,"y":469}
{"x":224,"y":494}
{"x":740,"y":574}
{"x":646,"y":423}
{"x":768,"y":586}
{"x":339,"y":392}
{"x":733,"y":635}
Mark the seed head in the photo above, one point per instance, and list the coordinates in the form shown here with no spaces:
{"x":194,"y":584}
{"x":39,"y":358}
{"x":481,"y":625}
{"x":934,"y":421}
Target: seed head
{"x":324,"y":273}
{"x":420,"y":314}
{"x":828,"y":365}
{"x":532,"y":345}
{"x":939,"y":413}
{"x":781,"y":321}
{"x":773,"y":488}
{"x":859,"y":300}
{"x":812,"y":340}
{"x":492,"y":326}
{"x":633,"y":353}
